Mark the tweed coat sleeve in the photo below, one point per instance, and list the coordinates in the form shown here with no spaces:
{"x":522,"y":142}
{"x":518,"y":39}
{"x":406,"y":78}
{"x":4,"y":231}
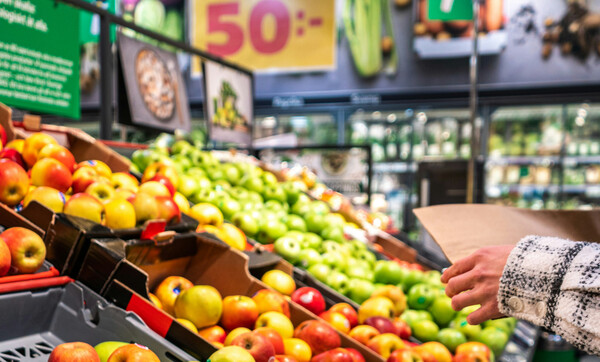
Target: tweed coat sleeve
{"x":555,"y":283}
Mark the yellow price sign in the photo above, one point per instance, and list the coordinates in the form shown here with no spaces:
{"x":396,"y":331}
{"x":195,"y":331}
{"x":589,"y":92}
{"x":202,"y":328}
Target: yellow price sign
{"x":288,"y":35}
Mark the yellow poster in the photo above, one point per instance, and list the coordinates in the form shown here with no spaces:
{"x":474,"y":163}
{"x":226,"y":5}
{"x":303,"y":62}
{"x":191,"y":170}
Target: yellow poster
{"x":266,"y":35}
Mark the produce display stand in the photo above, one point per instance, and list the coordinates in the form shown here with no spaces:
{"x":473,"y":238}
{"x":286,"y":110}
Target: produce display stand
{"x":141,"y":265}
{"x":40,"y":320}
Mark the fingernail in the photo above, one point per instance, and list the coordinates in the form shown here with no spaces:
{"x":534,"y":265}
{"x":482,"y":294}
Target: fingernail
{"x":444,"y":270}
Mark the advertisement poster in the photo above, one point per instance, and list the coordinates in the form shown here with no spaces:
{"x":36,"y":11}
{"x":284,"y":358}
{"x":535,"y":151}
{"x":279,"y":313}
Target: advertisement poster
{"x":39,"y":56}
{"x":155,"y":89}
{"x":229,"y":103}
{"x":262,"y":35}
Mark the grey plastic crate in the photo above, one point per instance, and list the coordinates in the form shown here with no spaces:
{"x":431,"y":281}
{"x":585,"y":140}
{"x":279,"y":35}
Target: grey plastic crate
{"x":32,"y":323}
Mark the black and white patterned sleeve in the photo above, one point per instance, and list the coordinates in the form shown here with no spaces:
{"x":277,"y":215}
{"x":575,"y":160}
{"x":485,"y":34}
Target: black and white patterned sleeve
{"x":555,"y":283}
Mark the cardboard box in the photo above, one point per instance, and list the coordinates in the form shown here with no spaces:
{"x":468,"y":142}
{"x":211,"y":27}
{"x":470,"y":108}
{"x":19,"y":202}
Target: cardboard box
{"x":83,"y":146}
{"x":142,"y":265}
{"x":462,"y":229}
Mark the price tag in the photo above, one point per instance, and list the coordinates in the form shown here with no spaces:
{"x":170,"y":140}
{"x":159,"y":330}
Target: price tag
{"x":448,"y":10}
{"x":288,"y":35}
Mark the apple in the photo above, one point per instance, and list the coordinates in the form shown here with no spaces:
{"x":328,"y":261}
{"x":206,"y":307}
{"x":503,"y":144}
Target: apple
{"x":420,"y":296}
{"x":309,"y":298}
{"x":213,"y":334}
{"x":273,"y":337}
{"x":16,"y":144}
{"x":234,"y":333}
{"x":411,"y":277}
{"x":404,"y":355}
{"x":338,"y":281}
{"x":14,"y":182}
{"x":119,"y":214}
{"x":334,"y":355}
{"x":298,"y":349}
{"x":389,"y":272}
{"x":285,"y":358}
{"x":320,"y":336}
{"x":58,"y":153}
{"x":238,"y":311}
{"x":231,"y":235}
{"x":85,"y":206}
{"x":252,"y":184}
{"x":334,"y":233}
{"x":424,"y":353}
{"x":124,"y":180}
{"x":27,"y":249}
{"x":356,"y":269}
{"x":232,"y":173}
{"x":356,"y":356}
{"x":441,"y":310}
{"x":451,"y":338}
{"x":315,"y":222}
{"x":189,"y":325}
{"x":146,"y":207}
{"x":101,"y":190}
{"x":337,"y":321}
{"x":438,"y":350}
{"x":33,"y":145}
{"x":402,"y":328}
{"x":73,"y":352}
{"x":385,"y":344}
{"x":188,"y":185}
{"x":162,"y":168}
{"x":13,"y":155}
{"x":229,"y":207}
{"x":365,"y":255}
{"x":271,"y":301}
{"x":246,"y":222}
{"x":83,"y":177}
{"x":382,"y":324}
{"x":47,"y":196}
{"x":52,"y":173}
{"x":363,"y":333}
{"x":360,"y":290}
{"x":395,"y":294}
{"x":201,"y":304}
{"x":154,"y":188}
{"x":347,"y":311}
{"x":169,"y":289}
{"x":474,"y":347}
{"x":257,"y":345}
{"x":133,"y":353}
{"x":425,"y":330}
{"x":2,"y":137}
{"x":271,"y":230}
{"x":288,"y":247}
{"x":280,"y":281}
{"x":375,"y":307}
{"x":278,"y":321}
{"x":100,"y":167}
{"x":182,"y":203}
{"x":105,"y":349}
{"x":231,"y":354}
{"x":320,"y":271}
{"x":472,"y":332}
{"x":206,"y":214}
{"x":4,"y":258}
{"x":490,"y":336}
{"x":168,"y":209}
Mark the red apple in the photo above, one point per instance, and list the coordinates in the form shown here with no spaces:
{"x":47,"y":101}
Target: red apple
{"x":363,"y":333}
{"x":320,"y":336}
{"x":238,"y":311}
{"x":52,"y":173}
{"x":100,"y":167}
{"x":356,"y":356}
{"x":74,"y":352}
{"x":213,"y":334}
{"x":14,"y":182}
{"x":168,"y":209}
{"x":34,"y":144}
{"x":402,"y":328}
{"x":169,"y":289}
{"x":258,"y":346}
{"x":284,"y":358}
{"x":385,"y":344}
{"x":309,"y":298}
{"x":4,"y":258}
{"x":404,"y":355}
{"x":269,"y":300}
{"x":470,"y":357}
{"x":273,"y":336}
{"x":13,"y":155}
{"x":348,"y":312}
{"x":382,"y":324}
{"x":84,"y":177}
{"x":337,"y":321}
{"x":58,"y":153}
{"x":133,"y":353}
{"x":334,"y":355}
{"x":163,"y":169}
{"x":27,"y":249}
{"x":2,"y":136}
{"x":424,"y":353}
{"x":165,"y":181}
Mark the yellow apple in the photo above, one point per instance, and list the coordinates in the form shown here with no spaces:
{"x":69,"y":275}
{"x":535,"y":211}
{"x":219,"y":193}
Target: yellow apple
{"x":187,"y":324}
{"x":375,"y":307}
{"x":206,"y":214}
{"x":119,"y":214}
{"x":85,"y":206}
{"x":145,"y":206}
{"x":231,"y":354}
{"x":101,"y":190}
{"x":154,"y":188}
{"x":277,"y":321}
{"x":201,"y":304}
{"x":33,"y":145}
{"x":169,"y":289}
{"x":100,"y":167}
{"x":47,"y":196}
{"x":280,"y":281}
{"x":182,"y":202}
{"x":234,"y":333}
{"x":298,"y":349}
{"x":124,"y":180}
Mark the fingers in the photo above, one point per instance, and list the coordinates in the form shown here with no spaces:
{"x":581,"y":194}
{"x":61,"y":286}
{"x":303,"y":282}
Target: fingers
{"x":465,"y":299}
{"x":486,"y":312}
{"x":459,"y":284}
{"x":460,"y":267}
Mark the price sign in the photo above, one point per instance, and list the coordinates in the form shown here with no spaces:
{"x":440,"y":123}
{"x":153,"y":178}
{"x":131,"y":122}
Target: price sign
{"x":448,"y":10}
{"x":286,"y":35}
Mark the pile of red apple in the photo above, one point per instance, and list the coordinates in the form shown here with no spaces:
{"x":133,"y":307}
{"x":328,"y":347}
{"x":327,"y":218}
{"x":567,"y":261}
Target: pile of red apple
{"x":261,"y":325}
{"x":106,"y":352}
{"x":39,"y":169}
{"x":21,"y":251}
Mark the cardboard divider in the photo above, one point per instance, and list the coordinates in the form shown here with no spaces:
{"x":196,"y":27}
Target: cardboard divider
{"x":142,"y":265}
{"x":83,"y":146}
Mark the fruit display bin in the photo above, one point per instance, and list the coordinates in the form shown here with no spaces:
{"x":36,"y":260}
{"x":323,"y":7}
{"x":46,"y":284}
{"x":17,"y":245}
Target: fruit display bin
{"x":42,"y":319}
{"x":141,"y":265}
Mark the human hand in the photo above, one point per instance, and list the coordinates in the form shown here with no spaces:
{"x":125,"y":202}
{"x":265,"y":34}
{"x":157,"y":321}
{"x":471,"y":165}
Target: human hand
{"x":475,"y":279}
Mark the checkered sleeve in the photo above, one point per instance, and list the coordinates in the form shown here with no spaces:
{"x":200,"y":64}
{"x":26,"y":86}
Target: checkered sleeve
{"x":555,"y":283}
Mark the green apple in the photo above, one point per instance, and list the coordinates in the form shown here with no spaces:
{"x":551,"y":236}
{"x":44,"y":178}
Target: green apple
{"x":425,"y":330}
{"x":273,"y":205}
{"x":320,"y":271}
{"x":143,"y":158}
{"x":252,"y":184}
{"x":105,"y":349}
{"x":295,"y":222}
{"x":360,"y":290}
{"x":433,"y":277}
{"x":215,"y":173}
{"x":389,"y":272}
{"x":502,"y":324}
{"x":451,"y":338}
{"x":196,"y":172}
{"x":366,"y":255}
{"x":330,"y":246}
{"x":410,"y":317}
{"x":245,"y":222}
{"x":493,"y":338}
{"x":472,"y":332}
{"x":308,"y":257}
{"x":357,"y":246}
{"x":319,"y":207}
{"x":222,"y":185}
{"x":181,"y":146}
{"x":272,"y":230}
{"x":420,"y":296}
{"x":335,"y":260}
{"x":288,"y":248}
{"x":301,"y":208}
{"x":274,"y":192}
{"x":204,"y":195}
{"x":411,"y":278}
{"x":338,"y":281}
{"x":229,"y":207}
{"x":292,"y":192}
{"x":441,"y":310}
{"x":312,"y":240}
{"x":358,"y":271}
{"x":254,"y":197}
{"x":315,"y":222}
{"x":268,"y":178}
{"x":188,"y":185}
{"x":182,"y":162}
{"x":238,"y":193}
{"x":298,"y":235}
{"x":232,"y":173}
{"x":335,"y":220}
{"x":333,"y":232}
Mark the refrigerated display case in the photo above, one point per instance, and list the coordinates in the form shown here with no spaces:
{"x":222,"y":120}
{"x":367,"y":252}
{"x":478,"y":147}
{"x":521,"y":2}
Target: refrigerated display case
{"x":308,"y":128}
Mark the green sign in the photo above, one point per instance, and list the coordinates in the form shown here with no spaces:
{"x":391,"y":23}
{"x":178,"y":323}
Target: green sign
{"x":39,"y":56}
{"x":89,"y":24}
{"x":448,"y":10}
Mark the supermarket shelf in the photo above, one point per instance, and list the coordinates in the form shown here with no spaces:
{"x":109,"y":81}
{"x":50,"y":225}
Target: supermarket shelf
{"x":523,"y":160}
{"x":497,"y":190}
{"x":581,"y":160}
{"x":394,"y":167}
{"x":588,"y":190}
